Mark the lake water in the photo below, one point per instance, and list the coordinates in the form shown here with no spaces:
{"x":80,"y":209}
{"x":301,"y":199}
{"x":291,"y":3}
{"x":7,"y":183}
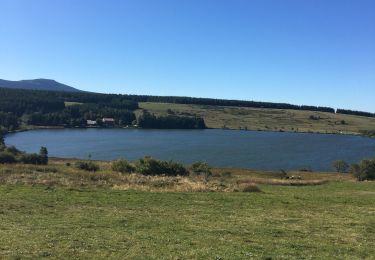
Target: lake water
{"x":222,"y":148}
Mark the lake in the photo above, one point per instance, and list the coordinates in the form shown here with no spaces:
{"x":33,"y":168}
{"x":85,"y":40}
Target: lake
{"x":221,"y":148}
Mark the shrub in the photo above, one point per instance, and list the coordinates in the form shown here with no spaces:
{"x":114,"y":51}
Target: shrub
{"x":6,"y":157}
{"x":201,"y":168}
{"x":175,"y":168}
{"x":43,"y":153}
{"x":122,"y":166}
{"x":365,"y":170}
{"x":150,"y":166}
{"x":340,"y":166}
{"x":87,"y":166}
{"x":31,"y":158}
{"x":13,"y":150}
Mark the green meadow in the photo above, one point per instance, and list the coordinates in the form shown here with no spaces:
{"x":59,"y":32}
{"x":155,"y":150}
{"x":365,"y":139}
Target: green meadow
{"x":59,"y":212}
{"x":266,"y":119}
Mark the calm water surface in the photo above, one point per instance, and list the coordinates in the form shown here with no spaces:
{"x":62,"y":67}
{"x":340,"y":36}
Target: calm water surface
{"x":223,"y":148}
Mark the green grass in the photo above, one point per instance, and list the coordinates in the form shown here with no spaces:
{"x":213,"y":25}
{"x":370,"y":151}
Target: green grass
{"x":68,"y":104}
{"x":266,"y":119}
{"x":330,"y":221}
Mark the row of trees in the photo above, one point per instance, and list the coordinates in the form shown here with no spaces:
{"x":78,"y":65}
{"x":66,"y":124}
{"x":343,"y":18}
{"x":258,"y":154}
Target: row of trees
{"x":12,"y":155}
{"x":225,"y":102}
{"x":48,"y":101}
{"x":147,"y":120}
{"x":77,"y":115}
{"x":47,"y":108}
{"x":354,"y":112}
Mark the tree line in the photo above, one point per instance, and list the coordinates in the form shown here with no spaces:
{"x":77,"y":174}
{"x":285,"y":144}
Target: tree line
{"x":225,"y":102}
{"x":39,"y":107}
{"x":47,"y":108}
{"x":148,"y":120}
{"x":354,"y":112}
{"x":77,"y":115}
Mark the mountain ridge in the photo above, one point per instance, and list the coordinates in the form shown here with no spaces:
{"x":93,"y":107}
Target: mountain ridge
{"x":37,"y":84}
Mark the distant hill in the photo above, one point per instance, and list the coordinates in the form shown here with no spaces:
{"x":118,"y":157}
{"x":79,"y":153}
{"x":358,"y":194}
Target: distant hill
{"x":37,"y":84}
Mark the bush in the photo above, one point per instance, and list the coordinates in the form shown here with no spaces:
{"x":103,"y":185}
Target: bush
{"x":340,"y":166}
{"x":122,"y":166}
{"x":6,"y":157}
{"x":13,"y":150}
{"x":150,"y":166}
{"x":365,"y":170}
{"x":201,"y":168}
{"x":87,"y":166}
{"x":43,"y":153}
{"x":31,"y":158}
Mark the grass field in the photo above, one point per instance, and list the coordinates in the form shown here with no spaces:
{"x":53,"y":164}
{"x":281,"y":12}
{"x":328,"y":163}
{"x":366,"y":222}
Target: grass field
{"x":57,"y":211}
{"x":331,"y":221}
{"x":68,"y":104}
{"x":266,"y":119}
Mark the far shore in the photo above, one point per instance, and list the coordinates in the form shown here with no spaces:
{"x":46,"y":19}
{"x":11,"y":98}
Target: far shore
{"x":30,"y":128}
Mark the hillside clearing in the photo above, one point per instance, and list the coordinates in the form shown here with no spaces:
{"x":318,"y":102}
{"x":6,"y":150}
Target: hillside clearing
{"x":266,"y":119}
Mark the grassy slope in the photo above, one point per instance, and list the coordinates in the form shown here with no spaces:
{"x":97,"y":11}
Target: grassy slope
{"x":324,"y":222}
{"x":61,"y":212}
{"x":267,"y":119}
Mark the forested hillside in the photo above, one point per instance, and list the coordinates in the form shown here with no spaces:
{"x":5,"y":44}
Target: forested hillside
{"x":24,"y":108}
{"x":48,"y":108}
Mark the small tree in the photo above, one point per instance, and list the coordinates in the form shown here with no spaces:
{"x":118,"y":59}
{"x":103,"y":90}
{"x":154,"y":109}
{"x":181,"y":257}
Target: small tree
{"x":340,"y":166}
{"x":43,"y":155}
{"x":365,"y":170}
{"x":201,"y":168}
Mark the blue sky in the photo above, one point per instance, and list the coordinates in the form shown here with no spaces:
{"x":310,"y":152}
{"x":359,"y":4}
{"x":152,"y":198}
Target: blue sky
{"x":313,"y":52}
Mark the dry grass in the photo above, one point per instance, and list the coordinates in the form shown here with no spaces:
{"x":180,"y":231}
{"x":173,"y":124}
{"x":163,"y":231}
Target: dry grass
{"x":282,"y":182}
{"x":267,"y":119}
{"x":249,"y":187}
{"x":61,"y":172}
{"x":173,"y":184}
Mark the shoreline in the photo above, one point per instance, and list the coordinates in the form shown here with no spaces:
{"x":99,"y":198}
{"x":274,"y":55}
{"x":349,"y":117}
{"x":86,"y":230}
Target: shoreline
{"x":207,"y":128}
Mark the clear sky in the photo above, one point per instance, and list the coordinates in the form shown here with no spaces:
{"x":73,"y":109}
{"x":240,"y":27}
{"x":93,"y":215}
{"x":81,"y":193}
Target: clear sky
{"x":313,"y":52}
